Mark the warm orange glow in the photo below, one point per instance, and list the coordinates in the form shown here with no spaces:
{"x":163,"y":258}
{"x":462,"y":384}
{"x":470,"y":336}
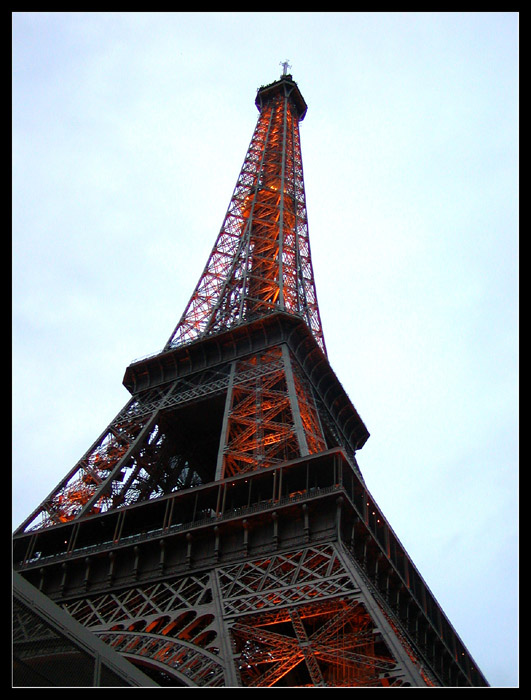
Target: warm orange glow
{"x":331,"y":643}
{"x":260,"y":425}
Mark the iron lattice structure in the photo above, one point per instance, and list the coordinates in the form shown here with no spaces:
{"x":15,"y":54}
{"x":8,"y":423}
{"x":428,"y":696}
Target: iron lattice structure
{"x":261,"y":259}
{"x":219,"y":531}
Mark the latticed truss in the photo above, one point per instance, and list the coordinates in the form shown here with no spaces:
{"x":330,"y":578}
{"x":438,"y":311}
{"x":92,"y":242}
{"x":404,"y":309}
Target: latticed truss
{"x":170,"y":626}
{"x":261,"y":259}
{"x":272,"y":416}
{"x":334,"y":643}
{"x":298,"y":618}
{"x":251,"y":413}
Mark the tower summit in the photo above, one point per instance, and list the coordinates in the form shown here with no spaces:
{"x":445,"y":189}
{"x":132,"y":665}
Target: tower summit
{"x":219,"y":532}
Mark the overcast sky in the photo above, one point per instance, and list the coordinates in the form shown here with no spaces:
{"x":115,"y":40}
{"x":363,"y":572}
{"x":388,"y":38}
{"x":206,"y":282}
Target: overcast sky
{"x":129,"y":132}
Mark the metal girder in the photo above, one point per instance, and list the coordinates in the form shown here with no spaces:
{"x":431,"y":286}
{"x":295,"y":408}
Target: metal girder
{"x":323,"y":640}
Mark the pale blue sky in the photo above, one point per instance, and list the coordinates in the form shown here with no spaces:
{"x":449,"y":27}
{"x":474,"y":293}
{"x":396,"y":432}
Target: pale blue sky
{"x":129,"y":131}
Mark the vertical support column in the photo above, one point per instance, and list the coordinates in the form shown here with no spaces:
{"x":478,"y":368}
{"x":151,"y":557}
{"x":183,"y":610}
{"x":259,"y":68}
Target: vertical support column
{"x":410,"y":670}
{"x":225,"y":426}
{"x":281,"y":211}
{"x":294,"y":403}
{"x":232,"y":679}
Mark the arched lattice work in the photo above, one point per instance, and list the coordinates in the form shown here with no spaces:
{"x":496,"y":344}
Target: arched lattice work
{"x":298,"y":618}
{"x":168,"y":626}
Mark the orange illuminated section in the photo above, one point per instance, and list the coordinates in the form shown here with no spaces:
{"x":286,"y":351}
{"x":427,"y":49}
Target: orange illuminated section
{"x":266,"y":423}
{"x":92,"y":472}
{"x":260,"y":427}
{"x":325,"y":644}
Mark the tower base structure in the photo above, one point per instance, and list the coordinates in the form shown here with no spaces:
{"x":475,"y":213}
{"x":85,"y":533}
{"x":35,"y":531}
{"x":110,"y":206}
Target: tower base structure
{"x":287,"y":575}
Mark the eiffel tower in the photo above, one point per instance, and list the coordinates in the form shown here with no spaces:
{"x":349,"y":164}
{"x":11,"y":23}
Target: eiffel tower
{"x":219,"y":532}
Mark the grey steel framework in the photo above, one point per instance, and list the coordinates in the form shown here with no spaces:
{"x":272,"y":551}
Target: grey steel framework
{"x":51,"y":649}
{"x":219,"y":531}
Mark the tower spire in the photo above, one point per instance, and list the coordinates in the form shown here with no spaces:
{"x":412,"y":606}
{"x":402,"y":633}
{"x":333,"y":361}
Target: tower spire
{"x":261,"y":261}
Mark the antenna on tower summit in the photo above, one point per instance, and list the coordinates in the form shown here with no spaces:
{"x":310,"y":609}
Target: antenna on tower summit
{"x":285,"y":65}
